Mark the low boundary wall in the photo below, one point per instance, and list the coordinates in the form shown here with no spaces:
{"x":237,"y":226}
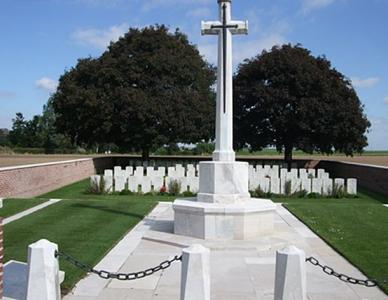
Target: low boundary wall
{"x":34,"y":180}
{"x":37,"y":179}
{"x":371,"y":177}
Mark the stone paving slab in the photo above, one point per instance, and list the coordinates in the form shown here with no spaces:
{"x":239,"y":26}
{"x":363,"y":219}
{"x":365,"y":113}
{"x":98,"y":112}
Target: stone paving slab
{"x":239,"y":269}
{"x":30,"y":211}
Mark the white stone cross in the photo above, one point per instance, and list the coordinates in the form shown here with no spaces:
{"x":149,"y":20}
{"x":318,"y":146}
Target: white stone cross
{"x":224,"y":28}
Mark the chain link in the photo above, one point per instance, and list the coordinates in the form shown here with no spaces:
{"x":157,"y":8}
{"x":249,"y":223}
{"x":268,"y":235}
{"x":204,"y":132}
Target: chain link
{"x":120,"y":276}
{"x":331,"y":272}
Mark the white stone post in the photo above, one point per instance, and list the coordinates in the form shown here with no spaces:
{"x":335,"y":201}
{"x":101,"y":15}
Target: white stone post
{"x":43,"y":272}
{"x":195,"y":275}
{"x":290,"y":277}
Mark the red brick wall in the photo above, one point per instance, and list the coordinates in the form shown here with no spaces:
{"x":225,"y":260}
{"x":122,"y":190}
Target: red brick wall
{"x":1,"y":258}
{"x":34,"y":180}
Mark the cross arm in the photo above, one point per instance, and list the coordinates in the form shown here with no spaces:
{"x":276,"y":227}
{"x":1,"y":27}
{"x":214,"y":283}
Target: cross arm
{"x":241,"y":27}
{"x":207,"y":27}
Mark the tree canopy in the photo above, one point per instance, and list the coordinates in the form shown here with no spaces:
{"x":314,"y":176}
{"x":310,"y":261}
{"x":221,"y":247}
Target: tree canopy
{"x":150,"y":88}
{"x":289,"y":99}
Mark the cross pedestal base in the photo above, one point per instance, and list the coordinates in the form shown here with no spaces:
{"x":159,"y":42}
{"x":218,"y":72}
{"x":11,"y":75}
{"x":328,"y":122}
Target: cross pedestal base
{"x":214,"y":221}
{"x":223,"y":182}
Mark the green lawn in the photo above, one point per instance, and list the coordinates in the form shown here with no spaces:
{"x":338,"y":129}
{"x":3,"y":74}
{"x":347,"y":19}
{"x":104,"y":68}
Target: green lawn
{"x":88,"y":226}
{"x":356,"y":228}
{"x":14,"y":206}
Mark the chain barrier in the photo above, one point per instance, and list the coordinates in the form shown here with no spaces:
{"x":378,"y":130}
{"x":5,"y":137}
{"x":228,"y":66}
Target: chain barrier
{"x":330,"y":271}
{"x":120,"y":276}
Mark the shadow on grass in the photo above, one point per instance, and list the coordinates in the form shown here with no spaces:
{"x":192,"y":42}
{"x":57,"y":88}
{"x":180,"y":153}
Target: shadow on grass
{"x":376,"y":196}
{"x":107,"y":209}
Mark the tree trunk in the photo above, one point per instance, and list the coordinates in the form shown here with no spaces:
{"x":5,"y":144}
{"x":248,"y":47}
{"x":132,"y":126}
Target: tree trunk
{"x":145,"y":155}
{"x":288,"y":156}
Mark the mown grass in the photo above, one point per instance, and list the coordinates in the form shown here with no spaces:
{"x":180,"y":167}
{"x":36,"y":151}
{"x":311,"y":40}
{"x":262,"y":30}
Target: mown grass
{"x":13,"y":206}
{"x":356,"y":228}
{"x":88,"y":226}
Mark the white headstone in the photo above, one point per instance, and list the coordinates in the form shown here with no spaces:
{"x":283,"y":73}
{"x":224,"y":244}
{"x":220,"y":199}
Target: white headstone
{"x":161,"y":172}
{"x":294,"y":173}
{"x":128,"y":171}
{"x":265,"y":184}
{"x":139,"y":172}
{"x":283,"y":173}
{"x":306,"y":185}
{"x":157,"y":182}
{"x":108,"y":173}
{"x":180,"y":171}
{"x":303,"y":173}
{"x":320,"y":173}
{"x":193,"y":184}
{"x":275,"y":171}
{"x":275,"y":186}
{"x":43,"y":272}
{"x":195,"y":273}
{"x":120,"y":182}
{"x":108,"y":184}
{"x":327,"y":188}
{"x":295,"y":185}
{"x":150,"y":171}
{"x":132,"y":184}
{"x":1,"y":202}
{"x":351,"y":186}
{"x":145,"y":183}
{"x":254,"y":181}
{"x":117,"y":171}
{"x":95,"y":182}
{"x":311,"y":173}
{"x":190,"y":171}
{"x":171,"y":172}
{"x":290,"y":276}
{"x":339,"y":183}
{"x":267,"y":170}
{"x":317,"y":186}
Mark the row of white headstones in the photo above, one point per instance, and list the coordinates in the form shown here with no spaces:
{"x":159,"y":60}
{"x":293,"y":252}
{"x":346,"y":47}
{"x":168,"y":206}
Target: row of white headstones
{"x":270,"y":179}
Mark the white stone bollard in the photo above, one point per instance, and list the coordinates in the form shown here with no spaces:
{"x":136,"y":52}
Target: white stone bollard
{"x":1,"y":205}
{"x":290,"y":278}
{"x":43,"y":272}
{"x":195,"y":274}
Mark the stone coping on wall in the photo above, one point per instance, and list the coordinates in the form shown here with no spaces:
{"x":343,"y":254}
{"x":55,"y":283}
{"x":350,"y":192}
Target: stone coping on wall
{"x":357,"y":164}
{"x":44,"y":164}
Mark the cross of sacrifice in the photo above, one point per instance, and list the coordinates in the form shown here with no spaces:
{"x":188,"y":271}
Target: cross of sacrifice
{"x":224,"y":28}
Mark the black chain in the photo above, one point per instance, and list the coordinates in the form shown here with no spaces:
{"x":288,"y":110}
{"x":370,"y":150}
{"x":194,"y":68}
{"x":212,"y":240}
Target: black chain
{"x":120,"y":276}
{"x":346,"y":278}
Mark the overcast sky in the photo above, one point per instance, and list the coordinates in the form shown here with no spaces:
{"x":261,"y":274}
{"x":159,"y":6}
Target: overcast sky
{"x":42,"y":38}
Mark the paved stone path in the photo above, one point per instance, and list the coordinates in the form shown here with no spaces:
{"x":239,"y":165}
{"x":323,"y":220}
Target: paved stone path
{"x":29,"y":211}
{"x":239,"y":269}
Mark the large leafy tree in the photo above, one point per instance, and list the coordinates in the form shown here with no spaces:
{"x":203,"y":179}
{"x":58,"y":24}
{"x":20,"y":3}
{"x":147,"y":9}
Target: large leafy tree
{"x":150,"y":88}
{"x":289,"y":99}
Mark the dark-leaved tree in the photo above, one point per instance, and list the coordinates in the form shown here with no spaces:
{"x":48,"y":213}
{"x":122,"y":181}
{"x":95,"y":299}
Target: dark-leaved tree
{"x":289,"y":99}
{"x":150,"y":88}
